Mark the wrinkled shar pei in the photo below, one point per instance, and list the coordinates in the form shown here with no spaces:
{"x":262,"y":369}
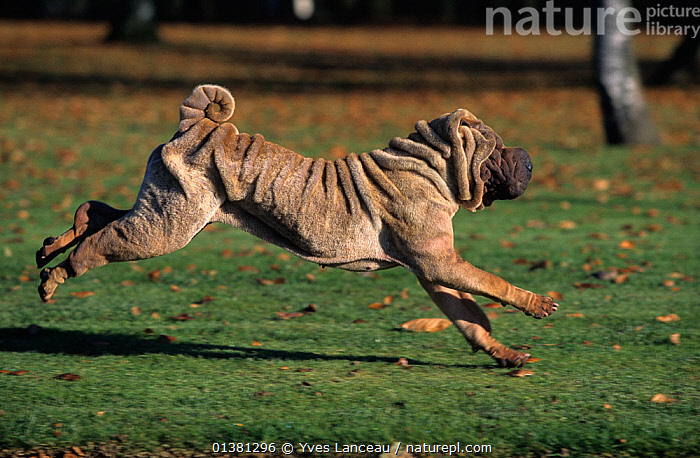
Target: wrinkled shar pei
{"x":385,"y":208}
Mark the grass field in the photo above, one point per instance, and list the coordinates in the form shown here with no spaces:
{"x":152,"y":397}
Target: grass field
{"x":613,"y":230}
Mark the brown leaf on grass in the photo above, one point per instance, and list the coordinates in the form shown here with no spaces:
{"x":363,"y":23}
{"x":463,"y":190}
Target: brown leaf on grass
{"x":359,"y":321}
{"x":621,"y":279}
{"x":404,"y":294}
{"x":575,"y":315}
{"x":82,"y":294}
{"x":255,"y":343}
{"x":567,"y":224}
{"x":427,"y":324}
{"x":311,"y":308}
{"x":616,"y":347}
{"x":579,"y":285}
{"x":289,"y":315}
{"x":311,"y":278}
{"x":377,"y":305}
{"x":544,"y":264}
{"x":181,"y":317}
{"x":388,"y":300}
{"x":136,"y":311}
{"x":155,"y":275}
{"x":492,"y":305}
{"x":627,"y":245}
{"x":19,"y":372}
{"x":668,"y":283}
{"x":675,"y":338}
{"x":155,"y":316}
{"x":599,"y":236}
{"x":402,"y":362}
{"x":519,"y":373}
{"x":668,"y":318}
{"x":532,"y":359}
{"x":255,"y":270}
{"x":127,"y":283}
{"x":557,"y":296}
{"x":263,"y":393}
{"x":276,"y":281}
{"x":507,"y":244}
{"x":205,"y":299}
{"x":226,"y":253}
{"x":492,"y":315}
{"x":69,"y":377}
{"x":660,"y":398}
{"x":166,"y":339}
{"x":175,"y":288}
{"x":521,"y":262}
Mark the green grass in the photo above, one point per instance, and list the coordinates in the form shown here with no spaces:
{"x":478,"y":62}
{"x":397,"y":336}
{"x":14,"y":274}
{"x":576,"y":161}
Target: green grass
{"x":239,"y":373}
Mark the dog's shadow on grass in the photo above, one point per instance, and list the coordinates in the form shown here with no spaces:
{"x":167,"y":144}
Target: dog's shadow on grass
{"x":58,"y":341}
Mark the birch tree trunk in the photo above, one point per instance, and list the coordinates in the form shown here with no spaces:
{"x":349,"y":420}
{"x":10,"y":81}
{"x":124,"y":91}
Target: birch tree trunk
{"x":626,"y":118}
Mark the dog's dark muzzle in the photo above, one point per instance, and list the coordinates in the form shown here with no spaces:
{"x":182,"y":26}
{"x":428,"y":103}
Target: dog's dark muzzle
{"x":520,"y":170}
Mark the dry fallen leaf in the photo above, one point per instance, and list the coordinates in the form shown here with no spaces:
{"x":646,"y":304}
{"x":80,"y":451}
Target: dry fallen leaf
{"x":69,"y":377}
{"x":617,"y":347}
{"x":82,"y":294}
{"x":136,"y":311}
{"x":492,"y":305}
{"x":289,"y":315}
{"x":181,"y":317}
{"x":263,"y":393}
{"x":575,"y":315}
{"x":519,"y":373}
{"x":675,"y":338}
{"x":255,"y":270}
{"x":19,"y":372}
{"x":402,"y":362}
{"x":155,"y":275}
{"x":532,"y":359}
{"x":567,"y":224}
{"x":377,"y":305}
{"x":276,"y":281}
{"x":627,"y":245}
{"x":166,"y":339}
{"x":427,"y":324}
{"x":255,"y":343}
{"x":668,"y":318}
{"x":660,"y":398}
{"x":507,"y":244}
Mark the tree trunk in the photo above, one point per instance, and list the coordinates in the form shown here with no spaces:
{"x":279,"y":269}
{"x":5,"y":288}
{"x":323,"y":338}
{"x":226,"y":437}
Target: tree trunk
{"x":133,"y":21}
{"x":625,"y":115}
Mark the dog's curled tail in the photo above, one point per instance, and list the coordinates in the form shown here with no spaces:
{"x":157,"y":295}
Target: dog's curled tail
{"x":206,"y":101}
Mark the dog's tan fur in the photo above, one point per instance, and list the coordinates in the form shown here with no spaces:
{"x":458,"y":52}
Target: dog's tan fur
{"x":363,"y":212}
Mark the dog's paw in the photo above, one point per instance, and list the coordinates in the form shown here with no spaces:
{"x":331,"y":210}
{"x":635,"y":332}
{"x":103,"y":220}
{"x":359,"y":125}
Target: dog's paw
{"x":50,"y":279}
{"x":506,"y":357}
{"x":541,"y":306}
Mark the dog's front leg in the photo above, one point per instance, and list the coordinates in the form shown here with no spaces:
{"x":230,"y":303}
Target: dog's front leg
{"x":431,"y":256}
{"x":473,"y":323}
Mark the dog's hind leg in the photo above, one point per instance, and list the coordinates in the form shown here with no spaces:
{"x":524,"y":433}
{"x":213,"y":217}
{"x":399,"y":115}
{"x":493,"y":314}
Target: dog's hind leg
{"x":162,"y":220}
{"x":90,"y":217}
{"x":473,"y":323}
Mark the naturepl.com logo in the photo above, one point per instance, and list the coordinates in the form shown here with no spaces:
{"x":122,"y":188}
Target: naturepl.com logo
{"x":628,"y":20}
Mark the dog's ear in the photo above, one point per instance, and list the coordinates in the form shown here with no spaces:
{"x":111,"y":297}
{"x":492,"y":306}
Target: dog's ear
{"x":471,"y":144}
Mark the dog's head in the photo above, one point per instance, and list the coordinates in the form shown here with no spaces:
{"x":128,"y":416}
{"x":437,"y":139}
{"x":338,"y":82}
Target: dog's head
{"x":505,"y":173}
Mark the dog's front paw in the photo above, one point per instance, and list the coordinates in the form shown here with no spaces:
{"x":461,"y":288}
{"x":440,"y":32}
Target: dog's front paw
{"x":540,"y":306}
{"x":506,"y":357}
